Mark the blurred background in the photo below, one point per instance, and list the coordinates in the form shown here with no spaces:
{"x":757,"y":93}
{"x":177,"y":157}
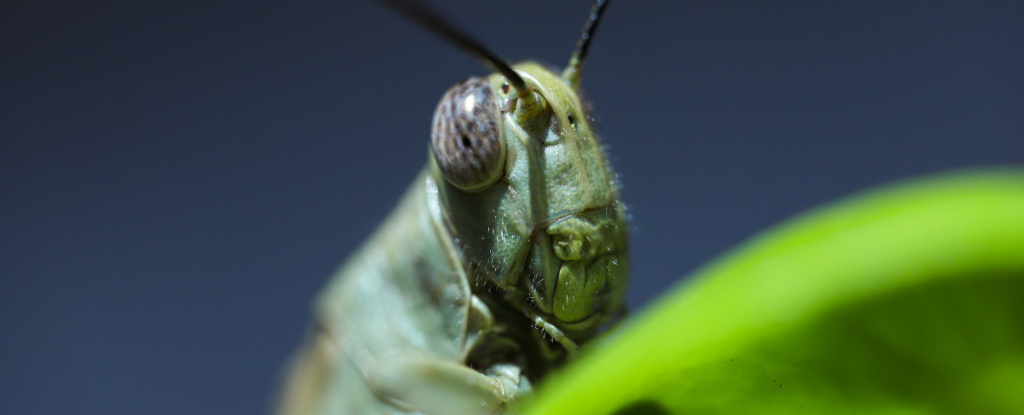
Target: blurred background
{"x":177,"y":181}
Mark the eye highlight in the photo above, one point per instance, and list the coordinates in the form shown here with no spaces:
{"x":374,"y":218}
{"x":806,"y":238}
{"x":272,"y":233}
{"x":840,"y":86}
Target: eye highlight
{"x":467,"y":140}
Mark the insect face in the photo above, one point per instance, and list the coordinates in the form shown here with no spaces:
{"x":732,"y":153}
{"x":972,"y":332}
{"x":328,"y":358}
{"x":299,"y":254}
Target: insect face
{"x":549,"y":227}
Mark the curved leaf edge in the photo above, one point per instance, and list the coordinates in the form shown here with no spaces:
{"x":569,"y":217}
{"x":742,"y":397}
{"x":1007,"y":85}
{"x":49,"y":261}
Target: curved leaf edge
{"x":771,"y":302}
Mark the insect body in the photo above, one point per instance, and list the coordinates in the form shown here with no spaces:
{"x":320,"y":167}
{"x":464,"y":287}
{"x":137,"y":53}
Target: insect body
{"x":507,"y":250}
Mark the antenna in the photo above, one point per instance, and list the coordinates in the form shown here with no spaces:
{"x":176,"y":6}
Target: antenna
{"x":573,"y":72}
{"x":433,"y":21}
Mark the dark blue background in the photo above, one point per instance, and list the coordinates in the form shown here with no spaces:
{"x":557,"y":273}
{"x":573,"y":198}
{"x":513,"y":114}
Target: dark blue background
{"x":178,"y":180}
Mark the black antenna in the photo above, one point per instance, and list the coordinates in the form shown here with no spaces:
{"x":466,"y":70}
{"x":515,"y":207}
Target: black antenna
{"x":433,"y":21}
{"x":573,"y":72}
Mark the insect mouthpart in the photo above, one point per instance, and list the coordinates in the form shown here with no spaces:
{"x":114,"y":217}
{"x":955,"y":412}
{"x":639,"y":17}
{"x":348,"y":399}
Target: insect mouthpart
{"x":586,"y":269}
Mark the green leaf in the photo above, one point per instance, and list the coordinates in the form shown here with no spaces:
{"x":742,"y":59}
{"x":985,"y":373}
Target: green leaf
{"x":908,"y":299}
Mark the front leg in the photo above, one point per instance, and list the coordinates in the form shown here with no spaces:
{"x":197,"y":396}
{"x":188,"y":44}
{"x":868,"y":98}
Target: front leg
{"x":437,"y":386}
{"x":540,"y":321}
{"x":555,"y":333}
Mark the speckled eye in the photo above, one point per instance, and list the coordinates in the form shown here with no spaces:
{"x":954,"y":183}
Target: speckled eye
{"x":467,"y":139}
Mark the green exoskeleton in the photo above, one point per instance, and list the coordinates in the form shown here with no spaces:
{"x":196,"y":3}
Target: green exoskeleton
{"x":506,"y":252}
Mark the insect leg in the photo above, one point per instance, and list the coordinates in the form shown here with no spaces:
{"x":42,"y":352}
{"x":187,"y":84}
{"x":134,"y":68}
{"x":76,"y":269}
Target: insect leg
{"x":430,"y":385}
{"x":555,"y":333}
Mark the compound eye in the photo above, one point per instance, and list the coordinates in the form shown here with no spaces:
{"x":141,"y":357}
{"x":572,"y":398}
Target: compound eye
{"x":467,"y":140}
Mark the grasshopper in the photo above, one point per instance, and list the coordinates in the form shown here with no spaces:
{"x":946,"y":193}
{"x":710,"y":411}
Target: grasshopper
{"x":508,"y":250}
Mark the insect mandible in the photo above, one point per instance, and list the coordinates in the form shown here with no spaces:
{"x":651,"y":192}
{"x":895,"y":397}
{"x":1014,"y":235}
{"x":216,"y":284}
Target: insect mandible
{"x":507,"y":251}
